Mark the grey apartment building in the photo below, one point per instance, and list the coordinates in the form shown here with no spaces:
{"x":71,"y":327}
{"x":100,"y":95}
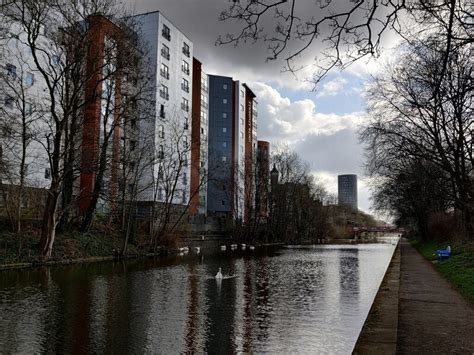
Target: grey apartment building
{"x":232,"y":147}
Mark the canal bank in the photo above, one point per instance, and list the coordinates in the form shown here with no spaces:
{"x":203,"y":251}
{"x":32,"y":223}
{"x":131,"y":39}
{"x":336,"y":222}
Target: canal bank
{"x":416,"y":311}
{"x":380,"y":330}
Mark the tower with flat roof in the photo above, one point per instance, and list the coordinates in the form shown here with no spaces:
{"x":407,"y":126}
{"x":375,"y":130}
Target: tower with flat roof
{"x":347,"y":190}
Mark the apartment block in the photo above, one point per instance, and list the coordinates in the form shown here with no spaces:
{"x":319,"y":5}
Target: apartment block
{"x":199,"y":140}
{"x":232,"y":147}
{"x":165,"y":136}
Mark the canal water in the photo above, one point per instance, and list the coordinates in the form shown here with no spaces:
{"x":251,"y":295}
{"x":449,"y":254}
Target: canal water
{"x":292,"y":300}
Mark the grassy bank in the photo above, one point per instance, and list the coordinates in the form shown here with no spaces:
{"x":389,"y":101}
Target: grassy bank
{"x":458,"y":269}
{"x":68,"y":246}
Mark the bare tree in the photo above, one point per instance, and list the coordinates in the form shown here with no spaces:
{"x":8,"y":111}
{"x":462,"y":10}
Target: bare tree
{"x":58,"y":39}
{"x":423,"y":112}
{"x":348,"y":31}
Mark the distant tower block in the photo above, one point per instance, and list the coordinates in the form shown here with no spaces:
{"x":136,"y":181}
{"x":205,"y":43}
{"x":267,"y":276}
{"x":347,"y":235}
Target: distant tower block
{"x":347,"y":190}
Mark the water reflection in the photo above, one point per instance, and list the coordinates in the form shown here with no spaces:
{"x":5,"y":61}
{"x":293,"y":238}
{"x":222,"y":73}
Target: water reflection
{"x":293,"y":301}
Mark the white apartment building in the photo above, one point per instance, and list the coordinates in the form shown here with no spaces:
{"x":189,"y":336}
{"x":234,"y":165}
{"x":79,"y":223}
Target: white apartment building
{"x":166,"y":134}
{"x":23,"y":97}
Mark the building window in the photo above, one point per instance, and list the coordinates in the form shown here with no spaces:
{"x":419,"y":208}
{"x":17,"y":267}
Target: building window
{"x":186,"y":51}
{"x":184,"y":196}
{"x":224,"y":114}
{"x":242,"y":108}
{"x":224,"y":86}
{"x":28,"y":108}
{"x":166,"y":32}
{"x":224,"y":101}
{"x":224,"y":129}
{"x":162,"y":111}
{"x":241,"y":134}
{"x":185,"y":179}
{"x":47,"y":173}
{"x":9,"y":101}
{"x":185,"y":67}
{"x":224,"y":158}
{"x":242,"y":94}
{"x":223,"y":203}
{"x":224,"y":144}
{"x":185,"y":85}
{"x":133,"y":145}
{"x":204,"y":85}
{"x":130,"y":188}
{"x":29,"y":79}
{"x":165,"y":52}
{"x":161,"y":131}
{"x":164,"y":92}
{"x":204,"y":101}
{"x":186,"y":123}
{"x":10,"y":70}
{"x":132,"y":166}
{"x":164,"y":71}
{"x":161,"y":152}
{"x":185,"y":104}
{"x":185,"y":141}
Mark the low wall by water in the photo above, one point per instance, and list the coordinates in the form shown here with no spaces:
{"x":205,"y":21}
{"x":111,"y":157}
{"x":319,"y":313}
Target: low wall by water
{"x":380,"y":330}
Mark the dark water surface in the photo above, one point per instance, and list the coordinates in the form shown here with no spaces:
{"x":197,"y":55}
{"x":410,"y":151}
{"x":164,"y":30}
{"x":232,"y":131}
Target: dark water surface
{"x":292,"y":300}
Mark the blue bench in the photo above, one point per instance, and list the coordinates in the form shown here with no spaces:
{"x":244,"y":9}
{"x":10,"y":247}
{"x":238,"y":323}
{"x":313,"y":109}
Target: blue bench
{"x":443,"y":253}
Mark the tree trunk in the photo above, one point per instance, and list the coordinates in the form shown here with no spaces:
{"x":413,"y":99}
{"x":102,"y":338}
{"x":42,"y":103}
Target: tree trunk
{"x":48,"y":230}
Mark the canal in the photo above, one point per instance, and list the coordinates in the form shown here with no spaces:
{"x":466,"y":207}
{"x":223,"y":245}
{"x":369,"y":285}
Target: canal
{"x":284,"y":301}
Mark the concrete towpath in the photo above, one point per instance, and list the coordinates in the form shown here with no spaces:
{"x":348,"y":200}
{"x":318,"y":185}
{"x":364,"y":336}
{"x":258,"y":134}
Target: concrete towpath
{"x":433,"y":318}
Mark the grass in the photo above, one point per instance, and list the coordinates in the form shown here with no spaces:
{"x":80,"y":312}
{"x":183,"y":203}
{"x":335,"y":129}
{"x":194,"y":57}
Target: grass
{"x":67,"y":246}
{"x":458,"y":269}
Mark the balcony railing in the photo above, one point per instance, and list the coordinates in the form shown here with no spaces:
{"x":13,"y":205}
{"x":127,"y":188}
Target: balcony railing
{"x":185,"y":107}
{"x":186,"y":126}
{"x":165,"y":54}
{"x":164,"y":95}
{"x":185,"y":87}
{"x":186,"y":52}
{"x":185,"y":69}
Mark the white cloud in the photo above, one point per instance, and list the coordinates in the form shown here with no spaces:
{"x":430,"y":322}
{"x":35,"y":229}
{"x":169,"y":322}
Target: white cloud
{"x":333,"y":87}
{"x":281,"y":119}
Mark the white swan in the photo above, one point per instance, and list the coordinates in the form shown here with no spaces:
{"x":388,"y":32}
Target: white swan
{"x":219,"y":275}
{"x":197,"y":250}
{"x":251,"y":247}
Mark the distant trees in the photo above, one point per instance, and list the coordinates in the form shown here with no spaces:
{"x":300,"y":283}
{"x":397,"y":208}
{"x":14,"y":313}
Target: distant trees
{"x":296,"y":201}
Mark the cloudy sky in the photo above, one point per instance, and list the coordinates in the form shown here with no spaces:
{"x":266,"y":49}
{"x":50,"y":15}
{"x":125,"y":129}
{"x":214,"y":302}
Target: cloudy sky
{"x":321,"y":125}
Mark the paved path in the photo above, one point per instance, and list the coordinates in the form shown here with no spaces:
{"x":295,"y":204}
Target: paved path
{"x":433,"y":317}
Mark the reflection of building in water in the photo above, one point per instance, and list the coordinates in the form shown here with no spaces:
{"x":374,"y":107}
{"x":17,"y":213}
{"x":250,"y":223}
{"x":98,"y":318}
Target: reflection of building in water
{"x":221,"y":300}
{"x":168,"y":315}
{"x":245,"y":312}
{"x":196,"y":310}
{"x":349,"y":276}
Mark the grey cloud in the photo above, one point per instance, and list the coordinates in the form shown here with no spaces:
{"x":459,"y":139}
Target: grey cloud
{"x":339,"y":153}
{"x":199,"y":20}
